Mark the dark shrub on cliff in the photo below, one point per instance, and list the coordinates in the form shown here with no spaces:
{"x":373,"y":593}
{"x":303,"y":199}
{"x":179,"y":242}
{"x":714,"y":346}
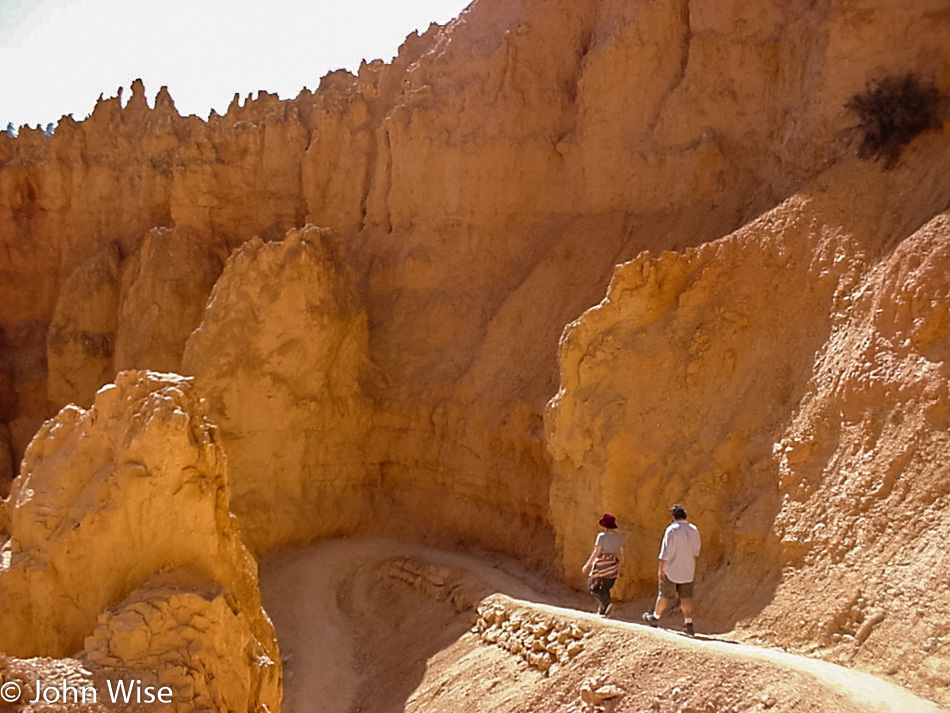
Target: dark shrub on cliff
{"x":893,"y":111}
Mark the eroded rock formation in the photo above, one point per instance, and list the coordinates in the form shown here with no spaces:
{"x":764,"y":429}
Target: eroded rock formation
{"x":283,"y":349}
{"x":80,"y":345}
{"x":115,"y":314}
{"x":122,"y":550}
{"x":482,"y":188}
{"x":165,"y":286}
{"x":789,"y":384}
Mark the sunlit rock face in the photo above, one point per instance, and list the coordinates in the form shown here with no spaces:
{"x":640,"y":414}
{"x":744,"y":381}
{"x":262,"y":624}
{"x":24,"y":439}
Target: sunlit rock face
{"x":122,"y":547}
{"x":193,"y":644}
{"x":788,"y":384}
{"x":164,"y":289}
{"x":281,"y":356}
{"x":389,"y":371}
{"x":484,"y":183}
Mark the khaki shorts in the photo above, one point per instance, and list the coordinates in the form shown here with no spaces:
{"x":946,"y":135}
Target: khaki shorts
{"x":672,"y":590}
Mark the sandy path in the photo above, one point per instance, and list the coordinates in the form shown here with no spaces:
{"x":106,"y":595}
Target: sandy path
{"x":306,"y":593}
{"x":867,"y":692}
{"x":353,"y":642}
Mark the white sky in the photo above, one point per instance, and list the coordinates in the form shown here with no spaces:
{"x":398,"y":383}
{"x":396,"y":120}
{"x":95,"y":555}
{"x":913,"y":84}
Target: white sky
{"x":58,"y":56}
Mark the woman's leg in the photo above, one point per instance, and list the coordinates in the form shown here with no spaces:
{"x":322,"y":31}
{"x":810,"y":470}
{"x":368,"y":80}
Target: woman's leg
{"x":602,"y":592}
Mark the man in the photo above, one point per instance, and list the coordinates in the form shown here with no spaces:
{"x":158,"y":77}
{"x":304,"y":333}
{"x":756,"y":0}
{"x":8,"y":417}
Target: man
{"x":678,"y":555}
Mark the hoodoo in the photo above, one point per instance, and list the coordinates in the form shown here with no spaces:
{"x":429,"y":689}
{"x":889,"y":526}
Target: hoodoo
{"x":554,"y":259}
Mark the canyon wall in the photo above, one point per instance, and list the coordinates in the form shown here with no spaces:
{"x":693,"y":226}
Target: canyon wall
{"x":484,"y":184}
{"x":788,"y":384}
{"x":388,"y":371}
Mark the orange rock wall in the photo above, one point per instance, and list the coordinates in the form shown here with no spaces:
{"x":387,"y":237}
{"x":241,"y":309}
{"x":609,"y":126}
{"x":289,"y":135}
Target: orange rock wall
{"x":122,"y":547}
{"x":109,"y":180}
{"x":281,"y":357}
{"x":788,"y":384}
{"x":484,"y":185}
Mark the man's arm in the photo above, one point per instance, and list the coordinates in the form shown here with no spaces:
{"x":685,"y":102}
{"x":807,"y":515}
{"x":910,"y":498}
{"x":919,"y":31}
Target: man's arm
{"x":664,"y":553}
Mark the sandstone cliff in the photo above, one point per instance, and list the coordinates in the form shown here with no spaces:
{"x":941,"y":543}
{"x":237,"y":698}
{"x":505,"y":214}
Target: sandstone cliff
{"x":481,"y":189}
{"x":123,"y":552}
{"x":282,"y":350}
{"x":789,"y":384}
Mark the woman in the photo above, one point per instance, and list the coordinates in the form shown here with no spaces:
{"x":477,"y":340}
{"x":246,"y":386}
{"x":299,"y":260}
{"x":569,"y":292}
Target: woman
{"x":605,"y":563}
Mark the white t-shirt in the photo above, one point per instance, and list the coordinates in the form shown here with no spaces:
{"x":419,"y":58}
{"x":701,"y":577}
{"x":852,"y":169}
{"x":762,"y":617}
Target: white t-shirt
{"x":679,"y":550}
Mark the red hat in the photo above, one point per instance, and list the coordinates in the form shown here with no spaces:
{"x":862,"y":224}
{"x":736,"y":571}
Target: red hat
{"x":608,"y":521}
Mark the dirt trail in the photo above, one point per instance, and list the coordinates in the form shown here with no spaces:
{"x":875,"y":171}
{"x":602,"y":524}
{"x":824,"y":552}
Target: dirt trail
{"x":380,"y":626}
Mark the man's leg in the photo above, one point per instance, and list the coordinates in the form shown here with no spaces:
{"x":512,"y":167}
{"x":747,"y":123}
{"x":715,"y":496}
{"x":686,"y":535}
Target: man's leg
{"x":669,"y":592}
{"x":663,"y":600}
{"x":687,"y":606}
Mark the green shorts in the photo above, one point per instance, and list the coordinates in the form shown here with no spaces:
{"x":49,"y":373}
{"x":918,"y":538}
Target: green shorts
{"x":672,"y":590}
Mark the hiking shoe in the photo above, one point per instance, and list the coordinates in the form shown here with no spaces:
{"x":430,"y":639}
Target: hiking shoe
{"x":689,"y":630}
{"x":650,"y":618}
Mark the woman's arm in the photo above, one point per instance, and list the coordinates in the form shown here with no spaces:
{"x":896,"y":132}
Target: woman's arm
{"x":590,"y":560}
{"x":621,"y":559}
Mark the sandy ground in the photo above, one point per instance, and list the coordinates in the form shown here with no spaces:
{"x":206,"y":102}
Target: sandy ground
{"x":380,"y":626}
